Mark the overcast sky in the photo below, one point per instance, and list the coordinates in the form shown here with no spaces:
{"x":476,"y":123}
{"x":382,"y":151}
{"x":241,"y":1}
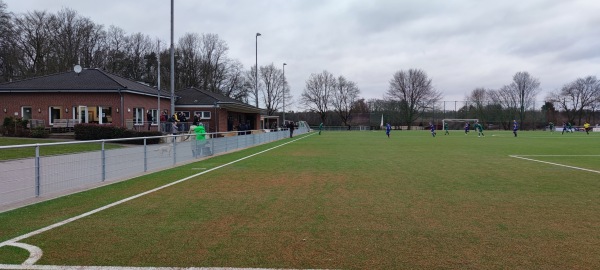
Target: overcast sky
{"x":460,"y":44}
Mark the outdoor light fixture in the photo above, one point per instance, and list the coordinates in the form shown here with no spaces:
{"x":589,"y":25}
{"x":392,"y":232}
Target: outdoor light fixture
{"x":256,"y":71}
{"x":128,"y":110}
{"x":39,"y":110}
{"x":66,"y":110}
{"x":4,"y":110}
{"x":117,"y":110}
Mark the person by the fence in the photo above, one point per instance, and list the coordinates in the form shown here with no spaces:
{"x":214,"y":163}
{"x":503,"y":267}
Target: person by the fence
{"x":446,"y":132}
{"x":196,"y":119}
{"x":320,"y":128}
{"x":467,"y":127}
{"x":200,"y":142}
{"x":551,"y":126}
{"x":291,"y":127}
{"x":149,"y":119}
{"x":515,"y":127}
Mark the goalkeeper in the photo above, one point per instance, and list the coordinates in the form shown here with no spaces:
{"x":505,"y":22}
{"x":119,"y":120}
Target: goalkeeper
{"x":479,"y":129}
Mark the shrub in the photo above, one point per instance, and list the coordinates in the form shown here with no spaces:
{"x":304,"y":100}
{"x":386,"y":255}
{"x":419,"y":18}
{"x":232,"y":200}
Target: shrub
{"x":39,"y":132}
{"x":100,"y":132}
{"x":13,"y":126}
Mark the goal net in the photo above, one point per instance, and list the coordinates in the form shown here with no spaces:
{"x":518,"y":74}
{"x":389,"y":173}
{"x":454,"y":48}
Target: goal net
{"x":458,"y":124}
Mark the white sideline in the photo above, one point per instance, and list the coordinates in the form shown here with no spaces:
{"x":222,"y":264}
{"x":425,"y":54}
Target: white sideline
{"x":13,"y":242}
{"x":557,"y":164}
{"x":60,"y":267}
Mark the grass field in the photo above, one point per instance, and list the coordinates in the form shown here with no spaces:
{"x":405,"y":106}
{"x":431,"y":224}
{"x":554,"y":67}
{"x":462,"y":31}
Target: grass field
{"x":6,"y":154}
{"x":343,"y":200}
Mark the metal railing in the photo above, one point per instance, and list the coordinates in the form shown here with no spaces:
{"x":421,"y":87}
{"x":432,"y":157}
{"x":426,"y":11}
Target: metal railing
{"x":28,"y":180}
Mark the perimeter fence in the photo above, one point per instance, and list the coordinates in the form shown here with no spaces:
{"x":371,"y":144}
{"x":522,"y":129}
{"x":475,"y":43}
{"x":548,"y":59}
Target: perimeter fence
{"x":42,"y":175}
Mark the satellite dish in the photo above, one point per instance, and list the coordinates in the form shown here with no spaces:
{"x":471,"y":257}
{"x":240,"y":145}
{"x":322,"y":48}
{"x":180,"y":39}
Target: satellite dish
{"x":77,"y":69}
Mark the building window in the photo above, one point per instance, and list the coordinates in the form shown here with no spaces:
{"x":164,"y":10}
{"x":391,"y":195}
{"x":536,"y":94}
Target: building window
{"x":154,"y":114}
{"x":105,"y":115}
{"x":138,"y":116}
{"x":203,"y":114}
{"x":26,"y":112}
{"x":55,"y":113}
{"x":185,"y":113}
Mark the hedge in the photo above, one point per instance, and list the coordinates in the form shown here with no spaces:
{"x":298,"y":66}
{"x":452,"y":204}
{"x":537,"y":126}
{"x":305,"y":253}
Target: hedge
{"x":102,"y":132}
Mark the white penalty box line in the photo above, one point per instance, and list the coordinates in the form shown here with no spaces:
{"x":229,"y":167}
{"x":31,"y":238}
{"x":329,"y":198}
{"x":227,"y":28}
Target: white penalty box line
{"x":525,"y":157}
{"x":12,"y":242}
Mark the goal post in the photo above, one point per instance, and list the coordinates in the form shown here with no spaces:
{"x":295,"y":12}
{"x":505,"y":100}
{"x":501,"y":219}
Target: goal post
{"x":458,"y":124}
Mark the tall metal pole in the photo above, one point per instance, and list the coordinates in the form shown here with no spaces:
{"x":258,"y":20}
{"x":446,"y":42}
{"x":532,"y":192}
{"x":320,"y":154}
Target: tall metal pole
{"x":172,"y":60}
{"x":158,"y":113}
{"x":284,"y":64}
{"x":256,"y":71}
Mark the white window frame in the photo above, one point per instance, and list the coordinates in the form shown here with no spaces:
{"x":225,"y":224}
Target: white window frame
{"x":155,"y":116}
{"x":186,"y":113}
{"x":203,"y":114}
{"x":138,"y":116}
{"x":23,"y":112}
{"x":61,"y":112}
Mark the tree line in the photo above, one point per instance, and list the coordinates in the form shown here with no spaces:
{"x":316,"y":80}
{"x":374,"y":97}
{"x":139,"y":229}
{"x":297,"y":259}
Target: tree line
{"x":39,"y":43}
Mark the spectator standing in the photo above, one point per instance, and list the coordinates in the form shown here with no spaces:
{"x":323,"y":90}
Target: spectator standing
{"x":149,"y":118}
{"x":291,"y":127}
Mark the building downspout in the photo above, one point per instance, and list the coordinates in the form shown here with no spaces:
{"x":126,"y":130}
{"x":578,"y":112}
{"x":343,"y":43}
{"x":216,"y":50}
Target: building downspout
{"x":121,"y":110}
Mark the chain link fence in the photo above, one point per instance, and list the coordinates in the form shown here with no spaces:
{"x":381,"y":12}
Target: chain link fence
{"x":29,"y":180}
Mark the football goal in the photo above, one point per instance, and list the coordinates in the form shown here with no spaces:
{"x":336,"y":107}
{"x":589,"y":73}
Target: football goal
{"x":458,"y":124}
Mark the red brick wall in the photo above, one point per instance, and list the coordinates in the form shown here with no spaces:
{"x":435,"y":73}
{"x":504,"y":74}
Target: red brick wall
{"x":12,"y":102}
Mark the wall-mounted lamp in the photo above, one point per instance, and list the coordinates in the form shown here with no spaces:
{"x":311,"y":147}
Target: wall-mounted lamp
{"x":128,"y":110}
{"x":39,"y":110}
{"x":117,"y":110}
{"x":66,"y":110}
{"x":4,"y":110}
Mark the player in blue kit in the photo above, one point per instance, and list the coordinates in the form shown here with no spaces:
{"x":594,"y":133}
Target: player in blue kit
{"x":467,"y":127}
{"x":515,"y":127}
{"x":388,"y":128}
{"x":432,"y":128}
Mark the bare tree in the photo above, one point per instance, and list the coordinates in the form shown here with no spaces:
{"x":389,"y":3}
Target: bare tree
{"x":69,"y":32}
{"x":526,"y":88}
{"x":577,"y":96}
{"x":344,"y":97}
{"x":235,"y":85}
{"x":213,"y":62}
{"x":414,"y":90}
{"x":7,"y":52}
{"x":508,"y":102}
{"x":137,"y":47}
{"x":115,"y":50}
{"x":272,"y":79}
{"x":479,"y":99}
{"x":188,"y":55}
{"x":33,"y":43}
{"x":317,"y":93}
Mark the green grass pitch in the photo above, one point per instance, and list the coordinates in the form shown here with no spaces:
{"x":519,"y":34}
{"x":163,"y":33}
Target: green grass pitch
{"x":343,"y":200}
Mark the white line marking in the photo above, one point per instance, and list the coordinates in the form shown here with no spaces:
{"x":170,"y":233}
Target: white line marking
{"x":60,"y":267}
{"x":35,"y":253}
{"x":558,"y":155}
{"x":556,"y":164}
{"x":56,"y":225}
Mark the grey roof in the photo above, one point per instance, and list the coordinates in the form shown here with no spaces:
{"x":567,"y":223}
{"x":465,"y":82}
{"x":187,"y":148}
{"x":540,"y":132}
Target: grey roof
{"x":194,"y":96}
{"x":89,"y":80}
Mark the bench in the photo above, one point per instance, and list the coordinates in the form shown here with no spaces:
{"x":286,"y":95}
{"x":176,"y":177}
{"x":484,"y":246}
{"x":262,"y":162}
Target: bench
{"x":64,"y":125}
{"x":33,"y":123}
